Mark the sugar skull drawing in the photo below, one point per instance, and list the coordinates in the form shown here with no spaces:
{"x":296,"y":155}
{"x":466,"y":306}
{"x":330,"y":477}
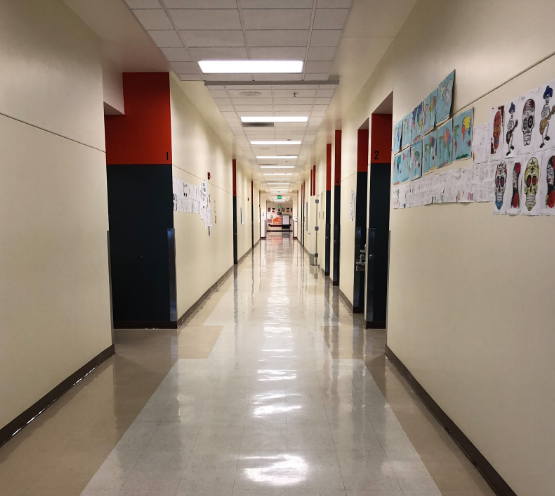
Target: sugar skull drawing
{"x":515,"y":199}
{"x":500,"y":184}
{"x":497,"y":125}
{"x":550,"y":178}
{"x":531,"y":181}
{"x":528,"y":120}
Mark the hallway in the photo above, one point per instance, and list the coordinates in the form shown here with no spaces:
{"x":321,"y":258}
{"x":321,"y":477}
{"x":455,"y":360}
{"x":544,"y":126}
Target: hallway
{"x":271,"y":388}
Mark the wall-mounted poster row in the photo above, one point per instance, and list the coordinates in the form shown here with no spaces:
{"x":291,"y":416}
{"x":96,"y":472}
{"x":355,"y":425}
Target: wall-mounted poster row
{"x":434,"y":109}
{"x":463,"y":185}
{"x":451,"y":141}
{"x":522,"y":125}
{"x":525,"y":185}
{"x":188,"y":198}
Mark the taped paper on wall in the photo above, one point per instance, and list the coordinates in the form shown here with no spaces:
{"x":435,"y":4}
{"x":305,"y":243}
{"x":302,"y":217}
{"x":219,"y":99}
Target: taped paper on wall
{"x":445,"y":144}
{"x":445,"y":98}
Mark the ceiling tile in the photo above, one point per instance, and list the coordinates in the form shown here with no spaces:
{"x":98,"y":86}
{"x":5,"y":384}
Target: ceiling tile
{"x":217,"y":93}
{"x":222,"y":100}
{"x":213,"y":38}
{"x":298,"y":92}
{"x":205,"y":19}
{"x":190,"y":77}
{"x":298,"y":108}
{"x":236,"y":93}
{"x":321,"y":107}
{"x":279,"y":4}
{"x":277,"y":38}
{"x":153,"y":19}
{"x":277,"y":18}
{"x":254,"y":108}
{"x":318,"y":113}
{"x":185,"y":67}
{"x":325,"y":93}
{"x":176,"y":54}
{"x":143,"y":4}
{"x":278,"y":53}
{"x":321,"y":53}
{"x":325,"y":37}
{"x":200,"y":4}
{"x":218,"y":53}
{"x":252,"y":101}
{"x":226,"y":108}
{"x":317,"y":67}
{"x":293,"y":100}
{"x":166,"y":39}
{"x":322,"y":101}
{"x":333,"y":4}
{"x":330,"y":18}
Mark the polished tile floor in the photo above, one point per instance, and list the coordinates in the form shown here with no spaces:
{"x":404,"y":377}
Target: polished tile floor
{"x":271,"y":388}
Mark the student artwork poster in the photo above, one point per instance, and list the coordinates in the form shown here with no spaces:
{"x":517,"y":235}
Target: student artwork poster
{"x":497,"y":133}
{"x":445,"y":144}
{"x":407,"y":130}
{"x":541,"y":133}
{"x":397,"y":164}
{"x":445,"y":98}
{"x":397,"y":132}
{"x":547,"y":185}
{"x":462,"y":135}
{"x":404,"y":172}
{"x":429,"y":149}
{"x":430,"y":103}
{"x":531,"y":201}
{"x":416,"y":160}
{"x":417,"y":122}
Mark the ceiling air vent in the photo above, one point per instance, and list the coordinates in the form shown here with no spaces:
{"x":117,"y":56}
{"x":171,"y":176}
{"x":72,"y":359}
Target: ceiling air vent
{"x":250,"y":93}
{"x":258,"y":124}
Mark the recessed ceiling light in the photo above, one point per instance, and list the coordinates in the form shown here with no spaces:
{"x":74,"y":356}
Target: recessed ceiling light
{"x":251,"y":66}
{"x":277,"y":166}
{"x":279,"y":174}
{"x":276,"y":156}
{"x":274,"y":119}
{"x":282,"y":142}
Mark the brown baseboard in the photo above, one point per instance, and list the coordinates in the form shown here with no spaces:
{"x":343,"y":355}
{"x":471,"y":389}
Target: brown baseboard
{"x":375,"y":324}
{"x":25,"y":418}
{"x":346,"y":300}
{"x":491,"y":476}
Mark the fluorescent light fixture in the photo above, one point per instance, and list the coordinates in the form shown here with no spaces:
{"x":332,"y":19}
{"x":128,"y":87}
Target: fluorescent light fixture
{"x":277,"y":157}
{"x":277,"y":166}
{"x":274,"y":119}
{"x":279,"y":142}
{"x":279,"y":174}
{"x":251,"y":66}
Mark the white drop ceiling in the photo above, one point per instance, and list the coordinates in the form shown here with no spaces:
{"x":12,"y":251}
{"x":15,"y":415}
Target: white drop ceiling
{"x":188,"y":31}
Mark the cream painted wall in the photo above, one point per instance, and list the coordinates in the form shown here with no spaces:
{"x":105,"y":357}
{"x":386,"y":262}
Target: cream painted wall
{"x":200,"y":259}
{"x":469,"y":292}
{"x":51,"y":71}
{"x":54,"y":288}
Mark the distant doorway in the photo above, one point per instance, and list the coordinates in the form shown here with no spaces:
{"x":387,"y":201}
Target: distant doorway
{"x":360,"y":216}
{"x":377,"y":236}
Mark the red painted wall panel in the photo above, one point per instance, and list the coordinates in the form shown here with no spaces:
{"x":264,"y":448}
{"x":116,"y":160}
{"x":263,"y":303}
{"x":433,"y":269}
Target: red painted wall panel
{"x":328,"y":167}
{"x":337,"y":157}
{"x":143,"y":134}
{"x":382,"y":132}
{"x":362,"y":150}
